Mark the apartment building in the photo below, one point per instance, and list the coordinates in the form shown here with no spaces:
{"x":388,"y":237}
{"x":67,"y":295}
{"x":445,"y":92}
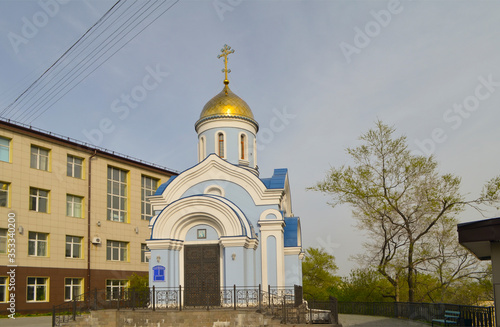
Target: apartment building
{"x":73,"y":217}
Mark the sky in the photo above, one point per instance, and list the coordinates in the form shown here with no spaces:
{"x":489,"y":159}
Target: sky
{"x":317,"y":75}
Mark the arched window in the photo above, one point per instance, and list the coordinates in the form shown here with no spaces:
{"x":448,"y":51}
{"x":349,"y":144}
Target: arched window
{"x":242,"y":146}
{"x":202,"y":153}
{"x":221,"y":145}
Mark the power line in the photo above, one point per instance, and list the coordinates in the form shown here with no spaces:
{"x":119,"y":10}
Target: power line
{"x":40,"y":96}
{"x":58,"y":60}
{"x":81,"y":69}
{"x":32,"y":94}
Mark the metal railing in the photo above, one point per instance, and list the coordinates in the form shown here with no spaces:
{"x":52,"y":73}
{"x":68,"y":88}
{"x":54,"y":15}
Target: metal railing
{"x":284,"y":303}
{"x":469,"y":315}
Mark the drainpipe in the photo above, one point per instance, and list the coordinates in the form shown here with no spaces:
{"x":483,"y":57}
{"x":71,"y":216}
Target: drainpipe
{"x":88,"y":218}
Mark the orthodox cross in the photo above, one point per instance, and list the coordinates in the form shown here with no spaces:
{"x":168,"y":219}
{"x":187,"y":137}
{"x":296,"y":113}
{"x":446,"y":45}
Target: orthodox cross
{"x":226,"y":51}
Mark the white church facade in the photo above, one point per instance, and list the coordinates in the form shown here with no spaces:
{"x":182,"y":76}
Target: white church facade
{"x":218,"y":223}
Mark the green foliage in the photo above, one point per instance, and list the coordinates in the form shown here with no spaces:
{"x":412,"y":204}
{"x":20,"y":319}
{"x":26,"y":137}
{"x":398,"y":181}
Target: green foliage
{"x":368,"y":285}
{"x":364,"y":285}
{"x":318,"y":269}
{"x":138,"y":282}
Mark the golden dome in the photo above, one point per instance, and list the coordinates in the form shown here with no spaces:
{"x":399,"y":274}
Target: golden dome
{"x":226,"y":103}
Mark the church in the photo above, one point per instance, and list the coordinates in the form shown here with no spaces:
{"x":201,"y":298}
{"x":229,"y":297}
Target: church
{"x":219,"y":223}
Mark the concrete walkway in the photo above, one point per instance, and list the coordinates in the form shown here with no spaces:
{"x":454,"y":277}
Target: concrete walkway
{"x":43,"y":321}
{"x":370,"y":321}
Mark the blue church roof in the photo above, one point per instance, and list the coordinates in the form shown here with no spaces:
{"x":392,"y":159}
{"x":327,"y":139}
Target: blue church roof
{"x":163,"y":186}
{"x":290,"y":231}
{"x":278,"y":179}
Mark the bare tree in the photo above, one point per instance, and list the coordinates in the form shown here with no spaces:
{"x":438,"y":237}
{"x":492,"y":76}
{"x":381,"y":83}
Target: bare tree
{"x":398,"y":197}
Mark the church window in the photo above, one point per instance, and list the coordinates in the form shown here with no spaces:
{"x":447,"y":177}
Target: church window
{"x":158,"y":273}
{"x":221,"y":145}
{"x":202,"y":149}
{"x":243,"y":146}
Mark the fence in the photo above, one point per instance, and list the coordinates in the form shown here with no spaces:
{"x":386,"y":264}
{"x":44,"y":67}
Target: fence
{"x":477,"y":316}
{"x":284,"y":303}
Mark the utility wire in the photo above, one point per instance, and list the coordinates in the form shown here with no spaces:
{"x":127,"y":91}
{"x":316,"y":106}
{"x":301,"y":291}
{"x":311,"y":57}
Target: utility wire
{"x":48,"y":97}
{"x":64,"y":58}
{"x":58,"y":60}
{"x":68,"y":60}
{"x":80,"y":68}
{"x":106,"y":59}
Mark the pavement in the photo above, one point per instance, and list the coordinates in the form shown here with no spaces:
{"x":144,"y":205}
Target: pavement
{"x":43,"y":321}
{"x":345,"y":320}
{"x":371,"y":321}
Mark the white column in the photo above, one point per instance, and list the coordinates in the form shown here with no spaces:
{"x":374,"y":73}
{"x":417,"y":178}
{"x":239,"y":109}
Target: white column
{"x":272,"y":227}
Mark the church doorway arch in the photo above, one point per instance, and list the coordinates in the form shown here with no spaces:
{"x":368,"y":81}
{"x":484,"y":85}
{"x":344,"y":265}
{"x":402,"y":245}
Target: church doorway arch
{"x":202,"y":275}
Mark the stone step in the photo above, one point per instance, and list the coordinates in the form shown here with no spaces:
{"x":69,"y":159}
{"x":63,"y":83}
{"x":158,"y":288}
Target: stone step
{"x":188,"y":318}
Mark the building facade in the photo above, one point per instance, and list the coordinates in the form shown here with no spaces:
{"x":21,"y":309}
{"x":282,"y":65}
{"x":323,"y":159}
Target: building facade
{"x":219,"y":223}
{"x":78,"y":215}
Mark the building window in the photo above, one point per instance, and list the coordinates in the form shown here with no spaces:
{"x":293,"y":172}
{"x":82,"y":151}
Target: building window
{"x":4,"y":194}
{"x":243,"y":147}
{"x":3,"y":289}
{"x":75,"y":166}
{"x":158,"y":273}
{"x":221,"y":145}
{"x":148,"y":188}
{"x":38,"y":244}
{"x":39,"y":158}
{"x":144,"y":249}
{"x":73,"y":246}
{"x":3,"y":240}
{"x":37,"y":289}
{"x":115,"y":289}
{"x":39,"y":200}
{"x":4,"y":149}
{"x":74,"y":206}
{"x":116,"y":251}
{"x":117,"y":194}
{"x":72,"y":289}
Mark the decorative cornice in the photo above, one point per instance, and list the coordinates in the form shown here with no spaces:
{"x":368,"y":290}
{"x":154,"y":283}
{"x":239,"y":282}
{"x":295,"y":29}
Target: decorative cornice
{"x":246,"y":242}
{"x":168,"y":244}
{"x":202,"y":120}
{"x":295,"y":250}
